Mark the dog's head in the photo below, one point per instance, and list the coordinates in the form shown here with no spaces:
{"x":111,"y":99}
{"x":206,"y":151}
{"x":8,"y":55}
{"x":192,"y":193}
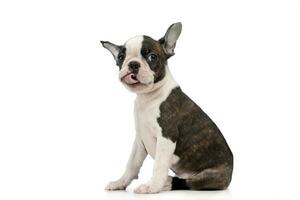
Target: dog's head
{"x":142,"y":60}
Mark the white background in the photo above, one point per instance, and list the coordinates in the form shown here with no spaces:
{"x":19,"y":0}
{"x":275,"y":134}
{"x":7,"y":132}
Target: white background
{"x":66,"y":123}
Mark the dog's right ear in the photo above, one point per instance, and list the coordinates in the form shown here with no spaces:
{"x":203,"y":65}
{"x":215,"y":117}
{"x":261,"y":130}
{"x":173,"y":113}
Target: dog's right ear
{"x":114,"y":49}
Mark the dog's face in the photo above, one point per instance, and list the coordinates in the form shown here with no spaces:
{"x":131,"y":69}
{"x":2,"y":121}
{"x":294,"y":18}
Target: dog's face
{"x":142,"y":60}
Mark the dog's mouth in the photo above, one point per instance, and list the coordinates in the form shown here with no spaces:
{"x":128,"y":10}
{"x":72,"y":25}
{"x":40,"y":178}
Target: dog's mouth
{"x":130,"y":79}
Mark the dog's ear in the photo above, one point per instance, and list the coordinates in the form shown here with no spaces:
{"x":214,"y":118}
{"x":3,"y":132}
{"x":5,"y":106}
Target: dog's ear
{"x":114,"y":49}
{"x":168,"y":42}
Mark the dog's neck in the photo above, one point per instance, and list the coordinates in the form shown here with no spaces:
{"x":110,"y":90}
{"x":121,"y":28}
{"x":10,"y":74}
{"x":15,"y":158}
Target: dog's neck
{"x":160,"y":90}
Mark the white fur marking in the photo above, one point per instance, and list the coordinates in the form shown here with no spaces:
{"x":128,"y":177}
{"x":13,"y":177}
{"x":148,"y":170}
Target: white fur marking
{"x":162,"y":149}
{"x":147,"y":111}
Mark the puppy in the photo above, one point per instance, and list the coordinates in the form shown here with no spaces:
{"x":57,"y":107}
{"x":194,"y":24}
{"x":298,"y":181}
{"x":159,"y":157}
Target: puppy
{"x":170,"y":127}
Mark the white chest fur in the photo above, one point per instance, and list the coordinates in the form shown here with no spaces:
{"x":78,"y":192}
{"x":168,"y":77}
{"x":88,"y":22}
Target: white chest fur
{"x":146,"y":111}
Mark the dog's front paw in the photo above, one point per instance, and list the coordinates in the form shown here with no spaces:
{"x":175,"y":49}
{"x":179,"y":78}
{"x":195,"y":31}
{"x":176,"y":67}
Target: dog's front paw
{"x":117,"y":185}
{"x":148,"y":188}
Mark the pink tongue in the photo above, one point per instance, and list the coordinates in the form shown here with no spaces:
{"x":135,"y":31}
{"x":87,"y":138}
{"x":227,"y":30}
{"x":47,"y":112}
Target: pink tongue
{"x":129,"y":79}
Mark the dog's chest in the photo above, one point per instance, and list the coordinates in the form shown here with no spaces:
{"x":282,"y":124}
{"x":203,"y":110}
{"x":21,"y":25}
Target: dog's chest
{"x":147,"y":127}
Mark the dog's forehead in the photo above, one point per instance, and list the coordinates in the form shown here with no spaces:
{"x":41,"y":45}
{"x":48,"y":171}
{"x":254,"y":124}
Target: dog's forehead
{"x":134,"y":45}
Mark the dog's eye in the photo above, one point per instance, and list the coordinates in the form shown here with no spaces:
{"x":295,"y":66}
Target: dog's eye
{"x":121,"y":57}
{"x":152,"y":57}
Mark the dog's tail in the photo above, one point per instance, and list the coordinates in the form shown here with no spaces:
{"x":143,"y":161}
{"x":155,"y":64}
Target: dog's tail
{"x":179,"y":184}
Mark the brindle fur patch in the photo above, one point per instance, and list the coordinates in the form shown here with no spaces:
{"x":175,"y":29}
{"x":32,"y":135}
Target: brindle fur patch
{"x":200,"y":145}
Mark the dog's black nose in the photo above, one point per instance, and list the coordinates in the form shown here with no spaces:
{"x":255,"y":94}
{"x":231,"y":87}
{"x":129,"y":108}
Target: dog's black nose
{"x":134,"y":66}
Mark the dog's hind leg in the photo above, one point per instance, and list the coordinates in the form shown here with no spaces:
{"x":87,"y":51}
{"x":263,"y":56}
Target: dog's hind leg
{"x":208,"y":179}
{"x":211,"y":179}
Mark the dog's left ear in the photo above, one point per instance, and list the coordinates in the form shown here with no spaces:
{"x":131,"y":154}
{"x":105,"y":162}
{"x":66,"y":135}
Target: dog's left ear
{"x":114,"y":49}
{"x":168,"y":42}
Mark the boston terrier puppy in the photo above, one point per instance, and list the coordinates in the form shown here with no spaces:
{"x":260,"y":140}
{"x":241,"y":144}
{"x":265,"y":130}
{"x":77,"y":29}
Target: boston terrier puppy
{"x":170,"y":127}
